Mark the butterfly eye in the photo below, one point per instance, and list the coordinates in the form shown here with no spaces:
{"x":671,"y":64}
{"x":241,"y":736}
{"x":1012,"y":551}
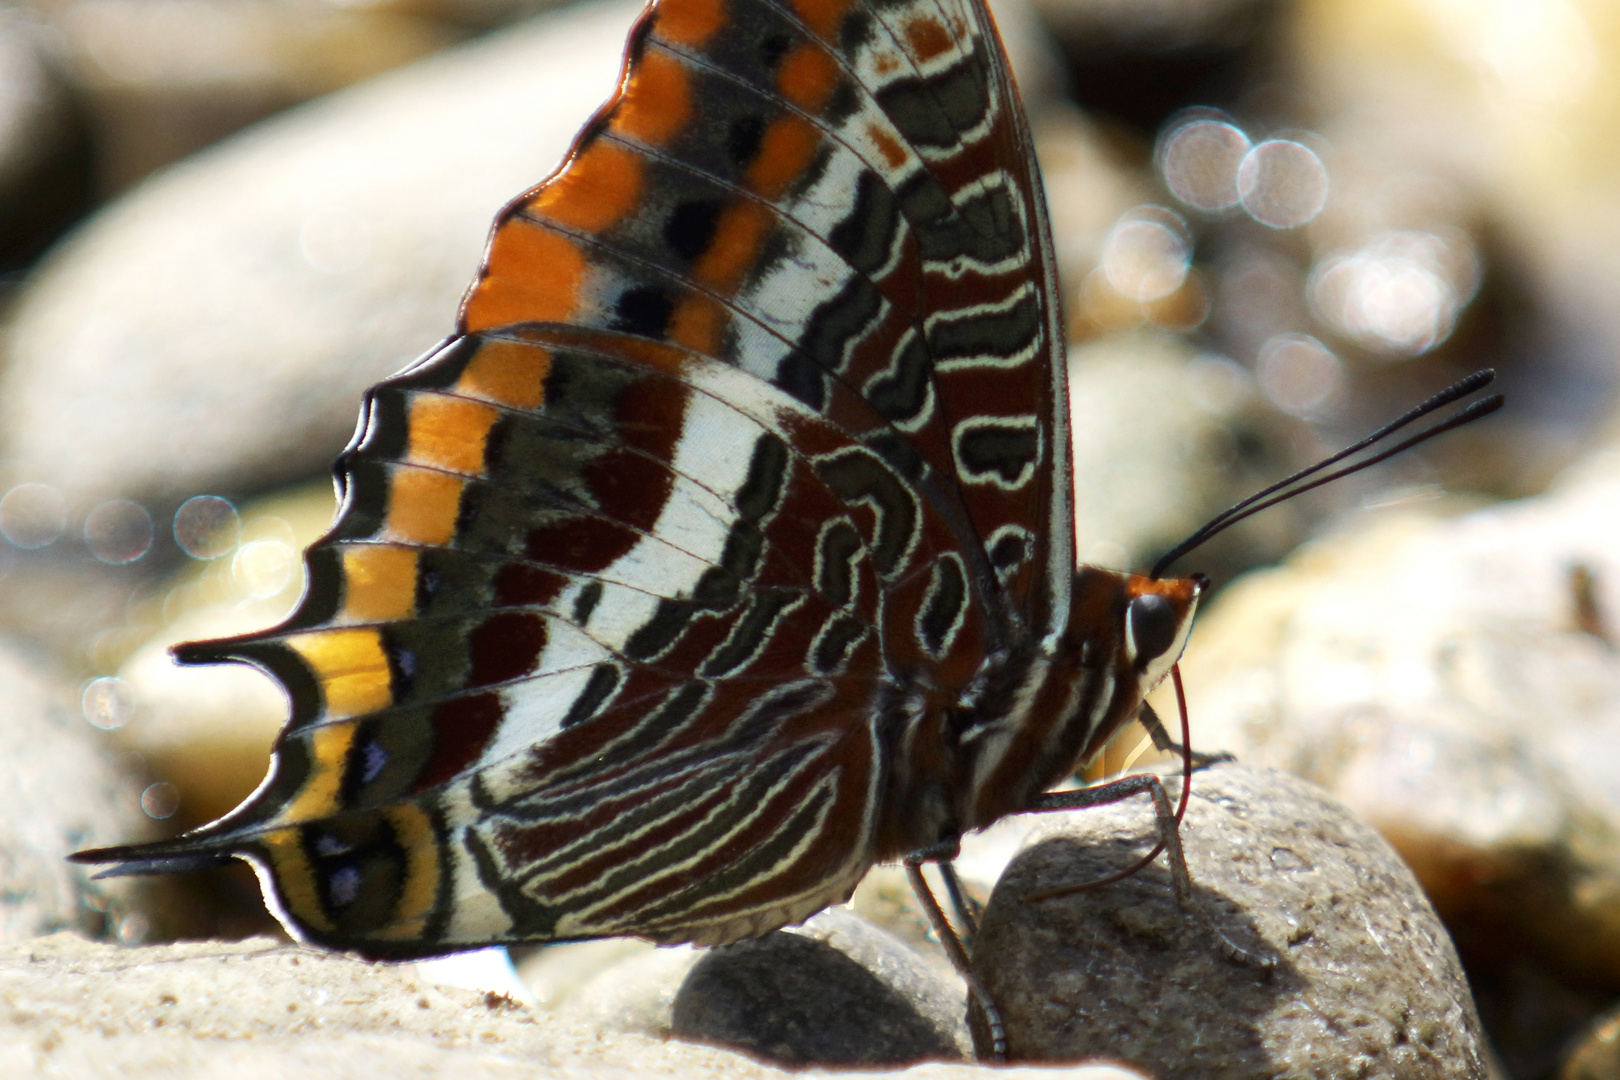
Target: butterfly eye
{"x":1150,"y":627}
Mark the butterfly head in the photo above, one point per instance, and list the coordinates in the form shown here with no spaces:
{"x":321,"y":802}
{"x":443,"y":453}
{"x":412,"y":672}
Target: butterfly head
{"x":1129,"y":632}
{"x":1157,"y":622}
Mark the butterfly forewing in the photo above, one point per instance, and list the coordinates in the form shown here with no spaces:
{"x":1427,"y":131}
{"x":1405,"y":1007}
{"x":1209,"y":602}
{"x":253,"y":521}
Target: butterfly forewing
{"x":648,"y":587}
{"x":829,"y":195}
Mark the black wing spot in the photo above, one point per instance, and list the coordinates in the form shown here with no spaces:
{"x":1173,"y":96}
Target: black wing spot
{"x":859,"y":478}
{"x":900,"y":392}
{"x":800,"y":377}
{"x":644,"y":311}
{"x":690,"y":227}
{"x":772,"y":48}
{"x":998,"y":335}
{"x":834,"y":644}
{"x":1006,"y":453}
{"x":751,"y":633}
{"x":598,"y":688}
{"x":746,"y":136}
{"x":767,"y":477}
{"x":866,"y":237}
{"x":402,"y":664}
{"x":359,"y":870}
{"x":1008,"y":550}
{"x":658,"y":633}
{"x":836,"y":552}
{"x":585,"y":603}
{"x":941,"y":614}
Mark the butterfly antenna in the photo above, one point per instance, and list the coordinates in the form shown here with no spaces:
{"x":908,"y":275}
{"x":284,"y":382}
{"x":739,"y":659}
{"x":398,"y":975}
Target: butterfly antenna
{"x":1291,"y":486}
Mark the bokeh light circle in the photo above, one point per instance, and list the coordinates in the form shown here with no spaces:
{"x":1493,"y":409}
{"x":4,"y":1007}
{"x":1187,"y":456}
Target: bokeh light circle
{"x":207,"y":526}
{"x":1147,"y":255}
{"x":1299,"y":375}
{"x":108,"y":703}
{"x":1199,"y":162}
{"x":1282,"y":183}
{"x":160,"y":800}
{"x":264,"y":568}
{"x":1398,"y":295}
{"x":33,"y":515}
{"x":118,"y":531}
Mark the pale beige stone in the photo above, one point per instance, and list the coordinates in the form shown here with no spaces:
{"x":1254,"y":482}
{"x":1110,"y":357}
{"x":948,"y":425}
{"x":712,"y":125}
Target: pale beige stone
{"x":60,"y":790}
{"x":256,"y":1009}
{"x":213,"y":330}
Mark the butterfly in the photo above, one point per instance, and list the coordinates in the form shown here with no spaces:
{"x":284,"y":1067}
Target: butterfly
{"x":725,"y":550}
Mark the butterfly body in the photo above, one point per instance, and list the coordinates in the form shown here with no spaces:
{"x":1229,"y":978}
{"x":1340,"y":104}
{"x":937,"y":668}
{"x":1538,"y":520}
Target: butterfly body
{"x":726,"y":549}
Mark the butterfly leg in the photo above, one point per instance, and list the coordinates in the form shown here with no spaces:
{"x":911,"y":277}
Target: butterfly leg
{"x":1162,"y":741}
{"x":1112,"y":792}
{"x":1169,"y":842}
{"x":942,"y":854}
{"x":967,"y":909}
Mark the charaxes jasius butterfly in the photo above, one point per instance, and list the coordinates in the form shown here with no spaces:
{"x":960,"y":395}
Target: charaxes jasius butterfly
{"x":725,"y":550}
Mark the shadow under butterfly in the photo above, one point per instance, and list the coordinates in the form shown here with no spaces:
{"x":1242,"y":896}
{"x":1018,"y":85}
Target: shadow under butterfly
{"x":726,"y":548}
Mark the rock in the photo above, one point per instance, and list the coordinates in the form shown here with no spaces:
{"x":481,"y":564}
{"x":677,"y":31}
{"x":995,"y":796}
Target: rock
{"x":261,"y":1008}
{"x":1365,"y":983}
{"x":1597,"y":1055}
{"x":835,"y":992}
{"x":1161,"y":25}
{"x":555,"y":974}
{"x":1491,"y":109}
{"x":163,"y":78}
{"x":489,"y":970}
{"x":635,"y":993}
{"x":45,"y":178}
{"x":1162,"y":441}
{"x":1456,"y":683}
{"x":1456,"y":686}
{"x":1093,"y":1071}
{"x":60,"y":790}
{"x":213,"y":330}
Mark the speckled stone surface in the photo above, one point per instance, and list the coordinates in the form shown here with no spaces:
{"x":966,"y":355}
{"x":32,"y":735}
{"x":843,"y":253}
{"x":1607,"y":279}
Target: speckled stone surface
{"x":1456,"y":682}
{"x":259,"y":1009}
{"x":1364,"y":983}
{"x":836,"y":991}
{"x":60,"y":790}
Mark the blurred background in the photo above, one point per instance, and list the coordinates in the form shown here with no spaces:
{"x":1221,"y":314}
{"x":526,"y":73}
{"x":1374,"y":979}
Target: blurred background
{"x":1278,"y":224}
